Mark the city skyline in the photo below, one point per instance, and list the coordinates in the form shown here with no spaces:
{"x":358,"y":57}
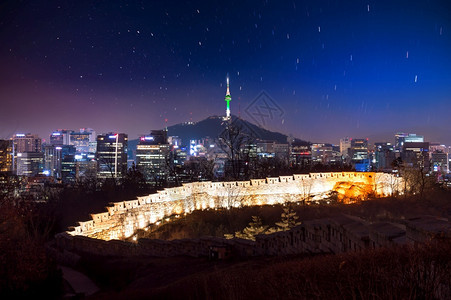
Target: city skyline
{"x":361,"y":69}
{"x":47,"y":138}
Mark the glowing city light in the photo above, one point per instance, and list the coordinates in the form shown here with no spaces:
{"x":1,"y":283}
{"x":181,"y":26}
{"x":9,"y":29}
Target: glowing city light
{"x":147,"y":138}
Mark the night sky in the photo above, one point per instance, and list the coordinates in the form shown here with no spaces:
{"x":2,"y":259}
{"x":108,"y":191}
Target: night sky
{"x":334,"y":68}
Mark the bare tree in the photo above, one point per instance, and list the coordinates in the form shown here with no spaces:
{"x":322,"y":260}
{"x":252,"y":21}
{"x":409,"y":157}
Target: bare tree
{"x":234,"y":142}
{"x":199,"y":168}
{"x":107,"y":164}
{"x":305,"y":189}
{"x":232,"y":195}
{"x":390,"y":182}
{"x":171,"y":169}
{"x":417,"y":181}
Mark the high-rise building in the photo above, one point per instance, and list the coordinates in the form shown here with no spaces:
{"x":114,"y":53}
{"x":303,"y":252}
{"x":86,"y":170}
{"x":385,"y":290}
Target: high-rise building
{"x":52,"y":160}
{"x":84,"y":140}
{"x":54,"y":156}
{"x":175,"y":141}
{"x":359,"y":155}
{"x":178,"y":155}
{"x":440,"y":162}
{"x":272,"y":149}
{"x":384,"y":156}
{"x":437,"y":148}
{"x":26,"y":143}
{"x":6,"y":155}
{"x":282,"y":151}
{"x":112,"y":155}
{"x":85,"y":166}
{"x":416,"y":154}
{"x":22,"y":143}
{"x":30,"y":163}
{"x":152,"y":156}
{"x":196,"y":148}
{"x":323,"y":153}
{"x":345,"y":146}
{"x":359,"y":149}
{"x":69,"y":167}
{"x":300,"y":154}
{"x":60,"y":137}
{"x":402,"y":138}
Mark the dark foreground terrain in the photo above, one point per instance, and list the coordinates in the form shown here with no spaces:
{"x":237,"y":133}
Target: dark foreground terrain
{"x":396,"y":273}
{"x":29,"y":270}
{"x":402,"y":272}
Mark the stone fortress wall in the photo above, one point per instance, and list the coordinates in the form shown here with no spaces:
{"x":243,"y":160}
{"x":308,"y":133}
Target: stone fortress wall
{"x":123,"y":218}
{"x":339,"y":234}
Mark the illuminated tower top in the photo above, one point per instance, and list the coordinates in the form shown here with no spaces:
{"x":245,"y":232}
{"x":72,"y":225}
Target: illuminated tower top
{"x":228,"y":98}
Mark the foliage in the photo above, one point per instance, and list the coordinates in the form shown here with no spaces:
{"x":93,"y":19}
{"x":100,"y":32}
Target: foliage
{"x":228,"y":221}
{"x":422,"y":272}
{"x":288,"y":219}
{"x":254,"y":228}
{"x":403,"y":272}
{"x":26,"y":269}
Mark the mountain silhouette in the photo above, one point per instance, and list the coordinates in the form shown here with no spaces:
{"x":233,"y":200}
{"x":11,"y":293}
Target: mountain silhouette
{"x":213,"y":126}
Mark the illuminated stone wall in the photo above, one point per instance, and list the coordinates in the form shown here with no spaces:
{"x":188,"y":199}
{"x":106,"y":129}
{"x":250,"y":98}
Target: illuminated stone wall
{"x":123,"y":218}
{"x":338,"y":234}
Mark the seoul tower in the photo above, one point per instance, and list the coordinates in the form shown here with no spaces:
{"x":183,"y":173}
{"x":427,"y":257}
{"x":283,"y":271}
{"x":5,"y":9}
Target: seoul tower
{"x":228,"y":98}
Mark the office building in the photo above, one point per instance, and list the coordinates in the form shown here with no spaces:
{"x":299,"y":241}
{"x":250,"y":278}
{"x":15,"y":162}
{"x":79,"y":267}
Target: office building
{"x":6,"y":155}
{"x":30,"y":163}
{"x":359,"y":155}
{"x":440,"y":162}
{"x":54,"y":155}
{"x":84,"y":140}
{"x":112,"y":155}
{"x":26,"y":143}
{"x":22,"y":143}
{"x":300,"y":154}
{"x":384,"y":156}
{"x":60,"y":137}
{"x":416,"y":155}
{"x":359,"y":149}
{"x":437,"y":148}
{"x":345,"y":146}
{"x":325,"y":154}
{"x":152,"y":157}
{"x":85,"y":166}
{"x":273,"y":149}
{"x":69,"y":168}
{"x":52,"y":160}
{"x":402,"y":138}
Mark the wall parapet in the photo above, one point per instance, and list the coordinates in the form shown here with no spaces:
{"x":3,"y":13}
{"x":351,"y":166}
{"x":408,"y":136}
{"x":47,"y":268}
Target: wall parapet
{"x":123,"y":218}
{"x":338,"y":234}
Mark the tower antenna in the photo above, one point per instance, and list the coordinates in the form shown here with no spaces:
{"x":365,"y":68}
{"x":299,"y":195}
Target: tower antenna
{"x":228,"y":98}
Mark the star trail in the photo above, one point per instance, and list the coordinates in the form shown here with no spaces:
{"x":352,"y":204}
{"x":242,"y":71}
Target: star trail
{"x":335,"y":68}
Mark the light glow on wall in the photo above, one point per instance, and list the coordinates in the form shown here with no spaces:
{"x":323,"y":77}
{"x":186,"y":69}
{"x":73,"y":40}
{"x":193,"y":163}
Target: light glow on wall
{"x":130,"y":216}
